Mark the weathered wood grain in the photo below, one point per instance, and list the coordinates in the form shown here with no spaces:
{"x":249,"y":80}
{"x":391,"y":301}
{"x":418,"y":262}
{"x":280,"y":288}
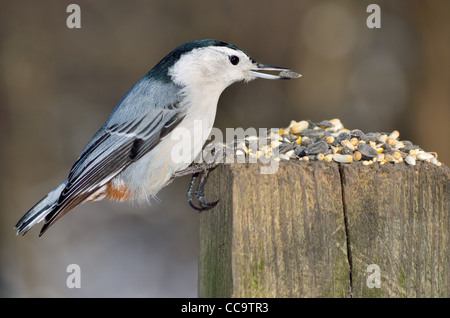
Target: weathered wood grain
{"x":398,"y":218}
{"x":311,"y":230}
{"x":279,"y":235}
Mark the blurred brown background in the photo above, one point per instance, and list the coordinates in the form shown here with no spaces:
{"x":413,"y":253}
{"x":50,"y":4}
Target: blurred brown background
{"x":58,"y":85}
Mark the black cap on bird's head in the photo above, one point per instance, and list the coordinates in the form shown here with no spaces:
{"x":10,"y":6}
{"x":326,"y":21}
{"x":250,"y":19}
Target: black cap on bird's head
{"x":160,"y":71}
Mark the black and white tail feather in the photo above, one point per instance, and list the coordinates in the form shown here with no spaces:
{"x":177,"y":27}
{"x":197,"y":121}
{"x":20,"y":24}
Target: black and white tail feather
{"x":48,"y":206}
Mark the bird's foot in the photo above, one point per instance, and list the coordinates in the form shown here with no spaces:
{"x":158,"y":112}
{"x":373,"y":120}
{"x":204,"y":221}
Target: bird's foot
{"x":201,"y":172}
{"x":198,"y":192}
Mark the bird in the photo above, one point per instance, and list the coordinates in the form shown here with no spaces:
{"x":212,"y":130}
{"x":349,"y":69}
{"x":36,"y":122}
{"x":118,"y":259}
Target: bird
{"x":130,"y":157}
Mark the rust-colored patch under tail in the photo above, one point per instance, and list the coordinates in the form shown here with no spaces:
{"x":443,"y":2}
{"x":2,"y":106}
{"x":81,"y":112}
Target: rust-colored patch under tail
{"x":111,"y":192}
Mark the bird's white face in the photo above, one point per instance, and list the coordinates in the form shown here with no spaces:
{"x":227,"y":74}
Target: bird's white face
{"x":219,"y":67}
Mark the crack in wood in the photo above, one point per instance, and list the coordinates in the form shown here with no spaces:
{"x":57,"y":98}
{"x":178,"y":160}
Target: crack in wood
{"x":344,"y":210}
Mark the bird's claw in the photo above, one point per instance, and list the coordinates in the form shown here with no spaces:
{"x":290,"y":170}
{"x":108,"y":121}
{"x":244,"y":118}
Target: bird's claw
{"x":199,"y":192}
{"x":203,"y":205}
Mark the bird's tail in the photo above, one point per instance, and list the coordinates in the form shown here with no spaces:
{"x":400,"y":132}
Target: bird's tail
{"x":38,"y":212}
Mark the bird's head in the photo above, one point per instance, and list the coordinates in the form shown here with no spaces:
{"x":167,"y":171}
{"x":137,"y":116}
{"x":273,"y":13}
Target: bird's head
{"x":211,"y":63}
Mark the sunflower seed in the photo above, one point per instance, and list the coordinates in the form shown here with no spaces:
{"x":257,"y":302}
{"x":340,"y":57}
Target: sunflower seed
{"x":424,"y":156}
{"x":410,"y":160}
{"x":341,"y":137}
{"x":367,"y":151}
{"x":296,"y":128}
{"x":316,"y":148}
{"x":288,"y":74}
{"x":313,"y":132}
{"x":342,"y":158}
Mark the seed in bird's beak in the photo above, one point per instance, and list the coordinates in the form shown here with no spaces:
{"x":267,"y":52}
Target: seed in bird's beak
{"x":289,"y":74}
{"x":284,"y":73}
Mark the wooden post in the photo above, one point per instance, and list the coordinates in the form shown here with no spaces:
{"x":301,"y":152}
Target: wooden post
{"x":314,"y":229}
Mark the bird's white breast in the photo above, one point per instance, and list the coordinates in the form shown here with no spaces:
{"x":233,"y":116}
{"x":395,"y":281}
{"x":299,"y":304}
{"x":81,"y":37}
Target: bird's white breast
{"x":177,"y":150}
{"x":198,"y":100}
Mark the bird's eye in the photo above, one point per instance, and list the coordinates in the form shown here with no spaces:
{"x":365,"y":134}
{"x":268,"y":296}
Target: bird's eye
{"x":234,"y":59}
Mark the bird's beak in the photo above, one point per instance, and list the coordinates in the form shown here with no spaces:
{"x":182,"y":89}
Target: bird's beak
{"x":284,"y":73}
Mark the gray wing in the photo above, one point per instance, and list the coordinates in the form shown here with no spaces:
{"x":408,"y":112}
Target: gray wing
{"x":149,"y":112}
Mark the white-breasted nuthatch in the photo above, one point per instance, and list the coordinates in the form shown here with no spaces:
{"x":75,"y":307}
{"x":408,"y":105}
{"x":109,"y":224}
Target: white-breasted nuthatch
{"x":129,"y":158}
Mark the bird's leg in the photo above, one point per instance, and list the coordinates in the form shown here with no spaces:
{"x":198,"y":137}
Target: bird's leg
{"x":191,"y":191}
{"x":193,"y":169}
{"x":200,"y":194}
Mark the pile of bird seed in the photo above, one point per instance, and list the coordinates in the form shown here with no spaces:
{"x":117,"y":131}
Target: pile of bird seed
{"x":329,"y":141}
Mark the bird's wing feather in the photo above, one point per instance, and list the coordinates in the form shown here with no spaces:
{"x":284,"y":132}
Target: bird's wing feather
{"x":115,"y":149}
{"x":134,"y":128}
